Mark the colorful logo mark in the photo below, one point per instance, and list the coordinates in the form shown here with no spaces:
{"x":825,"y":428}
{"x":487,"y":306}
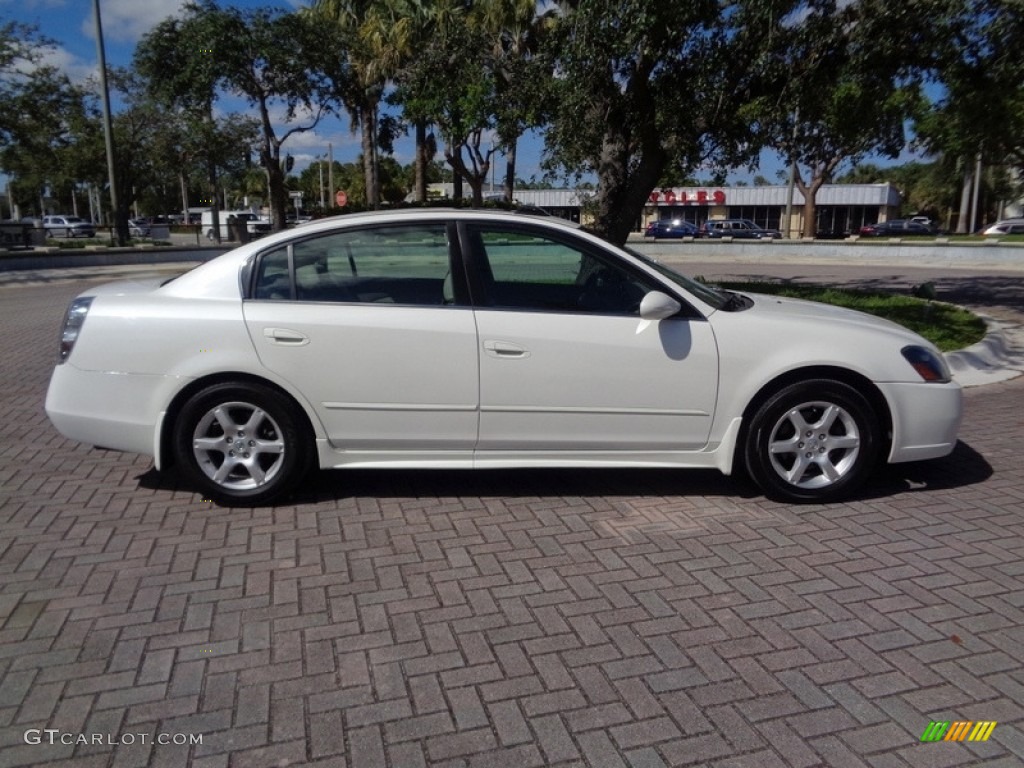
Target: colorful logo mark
{"x":961,"y":730}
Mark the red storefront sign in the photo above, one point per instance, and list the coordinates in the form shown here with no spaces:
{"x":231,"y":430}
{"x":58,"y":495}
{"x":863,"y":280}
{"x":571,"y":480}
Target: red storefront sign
{"x":687,"y":197}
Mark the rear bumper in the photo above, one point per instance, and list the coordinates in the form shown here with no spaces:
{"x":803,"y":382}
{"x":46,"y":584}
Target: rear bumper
{"x":109,"y":410}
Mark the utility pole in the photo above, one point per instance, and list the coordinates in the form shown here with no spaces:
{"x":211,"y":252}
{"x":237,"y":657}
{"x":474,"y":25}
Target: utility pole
{"x":320,"y":162}
{"x":121,"y":229}
{"x":330,"y":175}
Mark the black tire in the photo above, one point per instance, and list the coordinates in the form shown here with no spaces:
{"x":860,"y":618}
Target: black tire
{"x":812,"y":441}
{"x":268,"y":453}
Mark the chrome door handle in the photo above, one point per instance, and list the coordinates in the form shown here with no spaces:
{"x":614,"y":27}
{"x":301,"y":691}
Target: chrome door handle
{"x":505,"y":349}
{"x":285,"y":336}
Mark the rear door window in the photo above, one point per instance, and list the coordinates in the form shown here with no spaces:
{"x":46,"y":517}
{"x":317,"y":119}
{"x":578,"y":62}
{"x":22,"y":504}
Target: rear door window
{"x":393,"y":264}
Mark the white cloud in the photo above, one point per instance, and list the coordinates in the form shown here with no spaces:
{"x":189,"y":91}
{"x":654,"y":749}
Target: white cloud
{"x":75,"y":67}
{"x":129,"y":20}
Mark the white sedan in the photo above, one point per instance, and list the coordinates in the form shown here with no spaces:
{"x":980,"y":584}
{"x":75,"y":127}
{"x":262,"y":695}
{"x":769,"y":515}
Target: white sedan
{"x":471,"y":339}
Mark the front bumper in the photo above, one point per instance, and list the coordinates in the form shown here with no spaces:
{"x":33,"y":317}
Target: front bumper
{"x":926,"y":418}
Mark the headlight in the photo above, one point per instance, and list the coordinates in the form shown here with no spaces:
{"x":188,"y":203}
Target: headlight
{"x":929,"y":366}
{"x":74,"y":319}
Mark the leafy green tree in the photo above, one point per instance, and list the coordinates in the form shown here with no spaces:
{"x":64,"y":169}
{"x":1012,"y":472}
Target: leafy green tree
{"x":926,"y":188}
{"x":452,"y":85}
{"x":645,"y":88}
{"x":177,"y":60}
{"x":18,"y":51}
{"x":980,"y":114}
{"x":270,"y":58}
{"x":841,"y":81}
{"x":41,"y":111}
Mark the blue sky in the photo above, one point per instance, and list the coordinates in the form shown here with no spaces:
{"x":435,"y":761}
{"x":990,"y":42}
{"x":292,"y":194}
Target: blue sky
{"x":70,"y":24}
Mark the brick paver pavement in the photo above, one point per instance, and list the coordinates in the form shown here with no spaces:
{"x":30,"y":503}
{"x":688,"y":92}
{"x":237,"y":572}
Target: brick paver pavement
{"x":516,"y":619}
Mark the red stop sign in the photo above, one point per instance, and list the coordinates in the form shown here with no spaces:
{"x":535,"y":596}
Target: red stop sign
{"x":341,"y":198}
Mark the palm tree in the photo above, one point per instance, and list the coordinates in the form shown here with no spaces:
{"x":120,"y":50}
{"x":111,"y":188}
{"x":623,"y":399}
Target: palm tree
{"x":379,"y":36}
{"x":515,"y":29}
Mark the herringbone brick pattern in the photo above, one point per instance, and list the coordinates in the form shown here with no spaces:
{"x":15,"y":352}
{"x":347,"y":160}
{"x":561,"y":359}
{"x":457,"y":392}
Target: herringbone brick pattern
{"x":501,"y":619}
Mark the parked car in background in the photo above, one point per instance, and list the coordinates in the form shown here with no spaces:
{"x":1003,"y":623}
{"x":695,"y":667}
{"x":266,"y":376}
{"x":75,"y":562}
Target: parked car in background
{"x":67,"y":226}
{"x":671,"y":228}
{"x":459,"y":339}
{"x":138,"y":227}
{"x":253,"y":224}
{"x":1006,"y":227}
{"x":899,"y":228}
{"x":739,"y":228}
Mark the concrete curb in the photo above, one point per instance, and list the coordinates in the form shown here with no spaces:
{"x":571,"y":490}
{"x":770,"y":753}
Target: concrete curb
{"x":997,"y":357}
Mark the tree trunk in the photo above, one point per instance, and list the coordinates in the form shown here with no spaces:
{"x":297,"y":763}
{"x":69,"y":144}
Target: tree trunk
{"x":211,"y":182}
{"x":456,"y":180}
{"x":276,"y":189}
{"x":368,"y":127}
{"x":510,"y":172}
{"x":422,"y":160}
{"x":622,"y":193}
{"x":461,"y":171}
{"x":965,"y":200}
{"x":477,"y":185}
{"x":810,"y":193}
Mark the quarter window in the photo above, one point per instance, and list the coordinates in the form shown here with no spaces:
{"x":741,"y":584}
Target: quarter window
{"x":385,"y":265}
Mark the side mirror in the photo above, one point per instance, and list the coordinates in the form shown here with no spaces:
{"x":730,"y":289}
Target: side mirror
{"x":657,"y":306}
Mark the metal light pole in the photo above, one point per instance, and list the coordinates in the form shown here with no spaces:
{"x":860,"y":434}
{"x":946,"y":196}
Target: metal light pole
{"x":108,"y":133}
{"x":320,"y":162}
{"x":330,"y":177}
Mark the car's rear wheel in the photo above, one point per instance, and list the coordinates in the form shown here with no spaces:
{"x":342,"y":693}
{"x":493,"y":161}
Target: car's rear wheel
{"x":241,"y":443}
{"x":812,"y":441}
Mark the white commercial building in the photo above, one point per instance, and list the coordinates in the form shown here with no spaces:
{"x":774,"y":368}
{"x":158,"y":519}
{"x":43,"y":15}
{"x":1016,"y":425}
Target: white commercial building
{"x":841,"y":208}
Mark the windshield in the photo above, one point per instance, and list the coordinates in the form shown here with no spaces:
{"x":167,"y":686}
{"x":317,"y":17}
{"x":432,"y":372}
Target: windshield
{"x":712,"y":296}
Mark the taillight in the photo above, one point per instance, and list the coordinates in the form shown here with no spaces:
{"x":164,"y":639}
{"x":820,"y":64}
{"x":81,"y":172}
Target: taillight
{"x":74,"y":319}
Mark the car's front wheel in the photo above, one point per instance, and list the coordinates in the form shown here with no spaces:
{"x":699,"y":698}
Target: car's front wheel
{"x":241,"y":443}
{"x":812,"y":441}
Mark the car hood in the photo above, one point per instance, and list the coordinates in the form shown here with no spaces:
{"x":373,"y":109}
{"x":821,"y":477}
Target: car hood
{"x":783,"y":307}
